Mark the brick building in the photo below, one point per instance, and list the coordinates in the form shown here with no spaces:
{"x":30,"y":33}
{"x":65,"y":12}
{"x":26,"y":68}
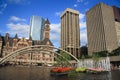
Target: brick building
{"x":9,"y":44}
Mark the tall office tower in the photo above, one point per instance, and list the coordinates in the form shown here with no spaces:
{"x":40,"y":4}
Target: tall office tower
{"x":70,"y":31}
{"x":37,"y":28}
{"x":116,"y":11}
{"x":117,"y":26}
{"x":101,"y":30}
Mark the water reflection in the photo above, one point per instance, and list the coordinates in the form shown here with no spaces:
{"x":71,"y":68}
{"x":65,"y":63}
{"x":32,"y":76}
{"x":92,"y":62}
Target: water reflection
{"x":42,"y":73}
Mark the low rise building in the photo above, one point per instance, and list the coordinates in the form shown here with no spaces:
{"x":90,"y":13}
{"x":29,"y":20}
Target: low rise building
{"x":8,"y":45}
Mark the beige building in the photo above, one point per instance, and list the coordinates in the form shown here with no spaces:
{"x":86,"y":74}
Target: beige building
{"x":117,"y":26}
{"x":70,"y":31}
{"x":8,"y":45}
{"x":101,"y":30}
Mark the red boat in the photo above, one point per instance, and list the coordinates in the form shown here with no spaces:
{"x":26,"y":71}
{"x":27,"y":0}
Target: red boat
{"x":60,"y":70}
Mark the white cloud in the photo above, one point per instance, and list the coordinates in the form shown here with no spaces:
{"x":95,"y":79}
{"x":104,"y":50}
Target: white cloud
{"x":86,"y":9}
{"x":79,"y":0}
{"x":20,"y":29}
{"x":55,"y":28}
{"x":83,"y":32}
{"x":82,"y":21}
{"x":55,"y":34}
{"x":81,"y":16}
{"x":58,"y":13}
{"x":16,"y":1}
{"x":19,"y":1}
{"x":2,"y":7}
{"x":55,"y":37}
{"x":83,"y":37}
{"x":14,"y":18}
{"x":75,"y":5}
{"x":82,"y":25}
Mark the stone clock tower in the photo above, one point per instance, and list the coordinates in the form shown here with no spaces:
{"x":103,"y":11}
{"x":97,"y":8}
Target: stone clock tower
{"x":47,"y":29}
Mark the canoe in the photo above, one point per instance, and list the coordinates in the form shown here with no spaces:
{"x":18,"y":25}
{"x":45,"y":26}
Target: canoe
{"x":58,"y":74}
{"x":60,"y":71}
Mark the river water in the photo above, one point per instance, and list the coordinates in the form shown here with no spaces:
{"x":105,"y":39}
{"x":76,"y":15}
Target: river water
{"x":43,"y":73}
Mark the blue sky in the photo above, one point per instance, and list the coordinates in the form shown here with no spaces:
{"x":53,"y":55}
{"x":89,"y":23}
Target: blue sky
{"x":15,"y":15}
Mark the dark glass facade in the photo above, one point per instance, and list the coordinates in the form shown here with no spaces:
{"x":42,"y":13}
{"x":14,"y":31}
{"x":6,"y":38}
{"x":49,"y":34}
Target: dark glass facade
{"x":116,"y":11}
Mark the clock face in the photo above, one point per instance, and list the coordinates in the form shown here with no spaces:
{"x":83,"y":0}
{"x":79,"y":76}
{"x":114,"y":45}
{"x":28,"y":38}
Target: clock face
{"x":47,"y":26}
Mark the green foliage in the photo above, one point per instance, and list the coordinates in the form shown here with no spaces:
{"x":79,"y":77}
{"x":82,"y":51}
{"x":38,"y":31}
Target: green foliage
{"x":105,"y":53}
{"x":84,"y":51}
{"x":101,"y":53}
{"x":72,"y":74}
{"x":95,"y":56}
{"x":65,"y":55}
{"x":83,"y":69}
{"x":83,"y":57}
{"x":63,"y":58}
{"x":115,"y":52}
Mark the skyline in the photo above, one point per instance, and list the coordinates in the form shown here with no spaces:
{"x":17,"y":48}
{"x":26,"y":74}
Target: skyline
{"x":15,"y":15}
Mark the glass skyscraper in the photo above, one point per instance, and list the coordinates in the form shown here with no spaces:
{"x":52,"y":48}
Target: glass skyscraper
{"x":36,"y":28}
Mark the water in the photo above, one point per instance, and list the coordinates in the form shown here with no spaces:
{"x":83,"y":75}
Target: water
{"x":42,"y":73}
{"x":103,"y":63}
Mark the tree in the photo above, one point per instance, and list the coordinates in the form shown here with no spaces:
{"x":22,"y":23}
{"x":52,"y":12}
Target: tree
{"x":103,"y":53}
{"x":84,"y":51}
{"x":116,"y":52}
{"x":62,"y":58}
{"x":95,"y":58}
{"x":65,"y":55}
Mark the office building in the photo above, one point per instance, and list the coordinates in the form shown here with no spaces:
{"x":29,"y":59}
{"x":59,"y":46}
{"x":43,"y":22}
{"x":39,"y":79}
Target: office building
{"x":101,"y":31}
{"x":70,"y":31}
{"x":37,"y":27}
{"x":116,"y":11}
{"x":117,"y":26}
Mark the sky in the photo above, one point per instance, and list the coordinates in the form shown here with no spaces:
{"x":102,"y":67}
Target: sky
{"x":15,"y":15}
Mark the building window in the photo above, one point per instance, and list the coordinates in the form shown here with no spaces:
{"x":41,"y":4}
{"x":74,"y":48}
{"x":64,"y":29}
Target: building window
{"x":50,"y":55}
{"x":43,"y":55}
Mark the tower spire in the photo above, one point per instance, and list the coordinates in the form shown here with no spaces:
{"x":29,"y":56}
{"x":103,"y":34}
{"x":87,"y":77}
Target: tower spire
{"x":47,"y":21}
{"x":16,"y":36}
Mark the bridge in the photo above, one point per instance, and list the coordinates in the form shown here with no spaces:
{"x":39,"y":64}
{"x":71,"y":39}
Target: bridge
{"x":45,"y":49}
